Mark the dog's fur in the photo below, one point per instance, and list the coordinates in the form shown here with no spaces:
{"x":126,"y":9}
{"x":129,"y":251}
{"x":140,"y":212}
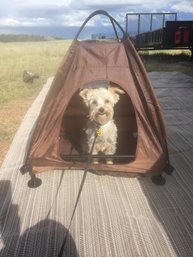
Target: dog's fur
{"x":100,"y":102}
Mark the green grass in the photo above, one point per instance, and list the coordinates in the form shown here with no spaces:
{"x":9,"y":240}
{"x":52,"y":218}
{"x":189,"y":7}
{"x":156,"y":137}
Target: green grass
{"x":44,"y":58}
{"x":16,"y":96}
{"x":38,"y":57}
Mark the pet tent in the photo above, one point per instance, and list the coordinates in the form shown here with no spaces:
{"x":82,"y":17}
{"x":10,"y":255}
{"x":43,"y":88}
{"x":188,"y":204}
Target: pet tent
{"x":56,"y":140}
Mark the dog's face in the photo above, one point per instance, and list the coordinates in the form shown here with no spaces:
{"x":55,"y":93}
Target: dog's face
{"x":100,"y":102}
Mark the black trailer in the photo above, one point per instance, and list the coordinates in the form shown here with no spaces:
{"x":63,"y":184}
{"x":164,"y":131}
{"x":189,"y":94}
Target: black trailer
{"x":173,"y":34}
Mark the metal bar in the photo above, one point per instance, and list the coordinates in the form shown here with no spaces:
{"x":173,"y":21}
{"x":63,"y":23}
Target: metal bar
{"x":163,"y":22}
{"x":78,"y":156}
{"x":139,"y":18}
{"x":153,"y":13}
{"x":126,"y":27}
{"x":151,"y":22}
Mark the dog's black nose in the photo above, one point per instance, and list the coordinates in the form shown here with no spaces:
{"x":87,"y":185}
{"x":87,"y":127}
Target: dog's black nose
{"x":101,"y":110}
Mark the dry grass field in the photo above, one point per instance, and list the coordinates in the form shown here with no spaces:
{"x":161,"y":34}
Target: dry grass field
{"x":15,"y":95}
{"x":44,"y":58}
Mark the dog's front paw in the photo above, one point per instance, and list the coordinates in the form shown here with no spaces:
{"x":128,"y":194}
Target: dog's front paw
{"x":95,"y":161}
{"x":109,"y":161}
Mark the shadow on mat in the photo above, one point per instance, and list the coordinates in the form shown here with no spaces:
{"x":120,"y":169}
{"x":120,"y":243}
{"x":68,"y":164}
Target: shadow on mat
{"x":43,"y":239}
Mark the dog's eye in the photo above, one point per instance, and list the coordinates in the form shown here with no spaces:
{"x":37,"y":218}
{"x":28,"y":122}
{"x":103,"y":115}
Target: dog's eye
{"x":94,"y":102}
{"x":107,"y":101}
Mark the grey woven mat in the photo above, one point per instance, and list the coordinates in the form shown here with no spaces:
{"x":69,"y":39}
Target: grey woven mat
{"x":115,"y":217}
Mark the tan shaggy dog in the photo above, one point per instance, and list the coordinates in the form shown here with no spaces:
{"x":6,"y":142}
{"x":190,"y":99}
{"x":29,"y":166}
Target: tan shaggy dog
{"x":100,"y":102}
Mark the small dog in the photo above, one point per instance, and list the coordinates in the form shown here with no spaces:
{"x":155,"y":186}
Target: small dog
{"x":100,"y":102}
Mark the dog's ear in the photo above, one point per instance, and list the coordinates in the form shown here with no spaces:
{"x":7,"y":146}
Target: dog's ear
{"x":86,"y":94}
{"x":116,"y":91}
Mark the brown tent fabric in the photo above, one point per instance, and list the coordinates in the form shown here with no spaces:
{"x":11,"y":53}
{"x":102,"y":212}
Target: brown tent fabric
{"x":141,"y":129}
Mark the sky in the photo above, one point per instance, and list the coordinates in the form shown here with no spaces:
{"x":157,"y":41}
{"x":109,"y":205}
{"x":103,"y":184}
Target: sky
{"x":62,"y":18}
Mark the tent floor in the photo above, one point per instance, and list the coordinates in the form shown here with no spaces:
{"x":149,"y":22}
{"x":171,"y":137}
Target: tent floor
{"x":115,"y":216}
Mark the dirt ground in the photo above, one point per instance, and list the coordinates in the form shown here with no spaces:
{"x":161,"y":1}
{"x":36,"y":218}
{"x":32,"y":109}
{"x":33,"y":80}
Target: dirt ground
{"x":11,"y":115}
